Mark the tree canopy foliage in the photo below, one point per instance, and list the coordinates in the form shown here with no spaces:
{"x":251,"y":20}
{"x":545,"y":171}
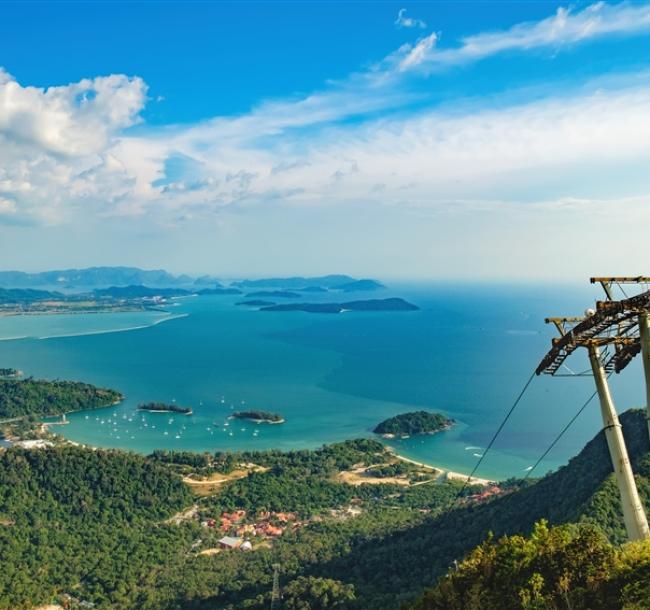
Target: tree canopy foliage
{"x":416,"y":422}
{"x":20,"y":397}
{"x":566,"y":566}
{"x":96,"y":525}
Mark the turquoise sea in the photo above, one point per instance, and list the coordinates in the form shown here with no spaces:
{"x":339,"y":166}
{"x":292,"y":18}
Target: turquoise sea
{"x":466,"y":353}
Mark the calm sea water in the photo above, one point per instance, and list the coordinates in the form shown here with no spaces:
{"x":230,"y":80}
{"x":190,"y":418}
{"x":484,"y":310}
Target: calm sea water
{"x":466,"y":353}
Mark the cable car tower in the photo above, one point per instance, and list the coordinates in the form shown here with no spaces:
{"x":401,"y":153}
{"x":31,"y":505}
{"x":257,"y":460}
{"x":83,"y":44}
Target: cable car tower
{"x":613,"y":334}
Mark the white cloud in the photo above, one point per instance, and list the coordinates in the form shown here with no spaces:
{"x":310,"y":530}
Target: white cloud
{"x":543,"y":149}
{"x":55,"y":143}
{"x":419,"y":53}
{"x":564,"y":28}
{"x":403,"y":21}
{"x":7,"y":207}
{"x":64,"y":151}
{"x":75,"y":119}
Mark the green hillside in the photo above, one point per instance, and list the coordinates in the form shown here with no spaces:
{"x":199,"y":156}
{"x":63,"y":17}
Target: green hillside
{"x":568,"y":566}
{"x":86,"y":522}
{"x":94,"y":525}
{"x":389,"y":573}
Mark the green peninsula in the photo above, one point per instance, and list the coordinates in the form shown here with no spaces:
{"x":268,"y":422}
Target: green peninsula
{"x":34,"y":397}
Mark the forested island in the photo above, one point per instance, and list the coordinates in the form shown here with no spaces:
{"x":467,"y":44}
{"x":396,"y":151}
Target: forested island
{"x":278,"y":294}
{"x":413,"y":423}
{"x":260,"y":417}
{"x":392,"y":304}
{"x":360,"y":286}
{"x":218,"y":291}
{"x":161,"y":407}
{"x":255,"y":303}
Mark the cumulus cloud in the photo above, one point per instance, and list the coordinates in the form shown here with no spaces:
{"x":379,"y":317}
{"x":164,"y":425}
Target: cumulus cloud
{"x":55,"y":143}
{"x":403,"y":21}
{"x":75,"y":119}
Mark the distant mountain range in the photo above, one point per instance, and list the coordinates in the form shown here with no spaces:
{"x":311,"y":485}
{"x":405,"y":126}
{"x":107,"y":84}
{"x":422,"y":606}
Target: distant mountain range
{"x":313,"y":284}
{"x":139,"y":292}
{"x":26,"y":295}
{"x":98,"y":277}
{"x":297,"y":282}
{"x":108,"y":277}
{"x":359,"y":286}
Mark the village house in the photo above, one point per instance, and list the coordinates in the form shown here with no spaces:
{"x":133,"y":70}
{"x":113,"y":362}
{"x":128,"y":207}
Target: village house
{"x":229,"y":542}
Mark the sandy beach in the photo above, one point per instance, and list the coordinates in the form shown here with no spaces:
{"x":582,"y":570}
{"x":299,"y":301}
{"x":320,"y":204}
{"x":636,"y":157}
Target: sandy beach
{"x":443,"y":472}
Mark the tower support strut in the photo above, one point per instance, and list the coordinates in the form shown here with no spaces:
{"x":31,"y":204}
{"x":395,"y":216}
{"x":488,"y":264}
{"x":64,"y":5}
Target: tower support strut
{"x":644,"y":333}
{"x":634,"y":516}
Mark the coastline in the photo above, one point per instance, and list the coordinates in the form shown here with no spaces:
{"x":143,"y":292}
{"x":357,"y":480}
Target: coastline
{"x":445,"y":472}
{"x":116,"y":330}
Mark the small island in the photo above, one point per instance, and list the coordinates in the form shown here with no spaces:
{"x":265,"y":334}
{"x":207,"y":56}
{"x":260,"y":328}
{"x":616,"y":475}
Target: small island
{"x":161,"y":407}
{"x":259,"y":417}
{"x":360,"y":285}
{"x":216,"y":291}
{"x":278,"y":294}
{"x":256,"y":303}
{"x":392,"y":304}
{"x":413,"y":423}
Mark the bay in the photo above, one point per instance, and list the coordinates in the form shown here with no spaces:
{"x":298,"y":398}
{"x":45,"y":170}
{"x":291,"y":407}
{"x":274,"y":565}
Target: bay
{"x":467,"y":353}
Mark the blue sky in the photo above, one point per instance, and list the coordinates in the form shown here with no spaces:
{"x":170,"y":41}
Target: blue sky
{"x":411,"y":140}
